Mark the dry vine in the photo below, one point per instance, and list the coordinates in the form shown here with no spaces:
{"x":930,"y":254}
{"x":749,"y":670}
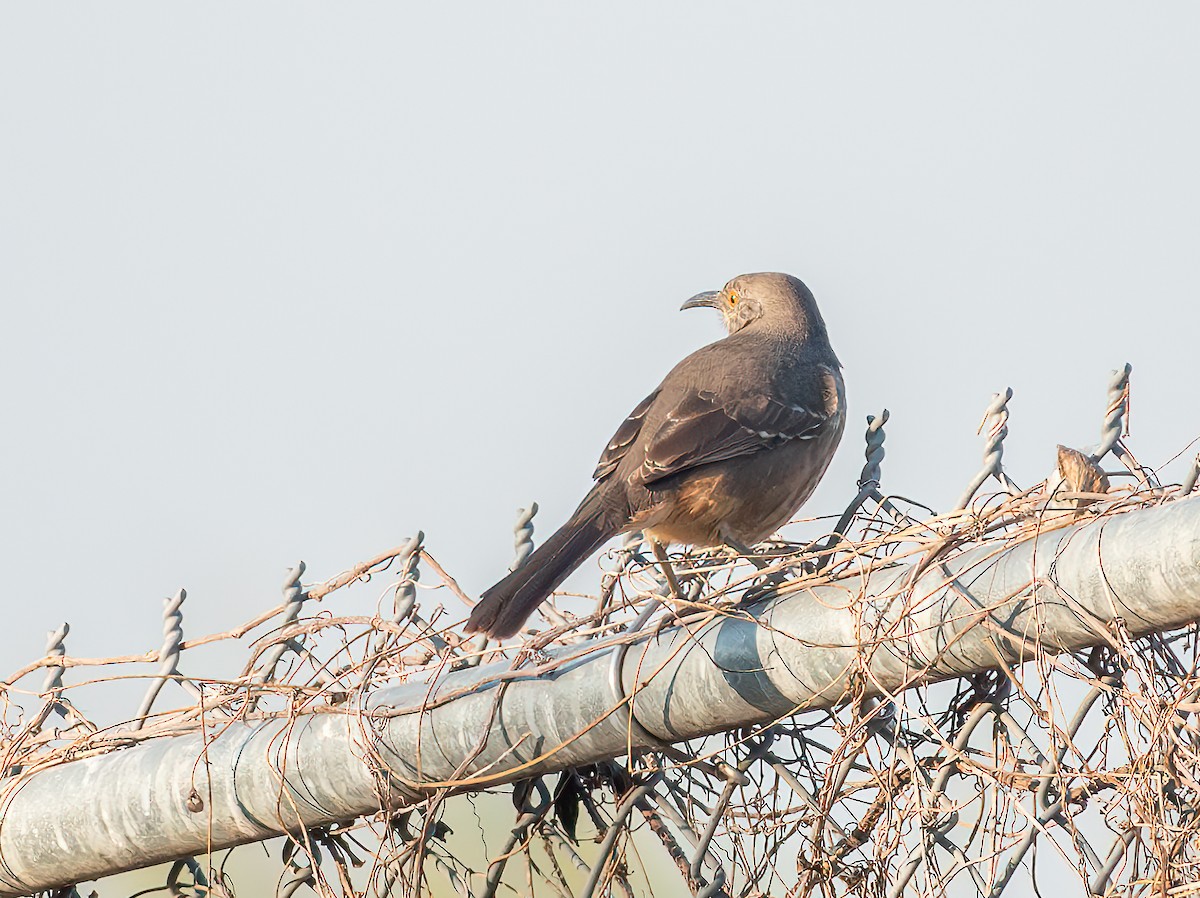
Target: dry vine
{"x":1070,"y":768}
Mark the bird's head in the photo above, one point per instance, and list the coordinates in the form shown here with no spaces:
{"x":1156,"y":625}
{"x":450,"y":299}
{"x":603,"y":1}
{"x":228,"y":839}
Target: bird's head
{"x":769,"y":299}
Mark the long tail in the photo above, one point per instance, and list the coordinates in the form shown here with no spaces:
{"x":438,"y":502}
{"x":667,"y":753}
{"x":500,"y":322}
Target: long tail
{"x":505,"y":607}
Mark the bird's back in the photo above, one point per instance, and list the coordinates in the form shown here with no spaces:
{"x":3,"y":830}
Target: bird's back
{"x":772,"y":406}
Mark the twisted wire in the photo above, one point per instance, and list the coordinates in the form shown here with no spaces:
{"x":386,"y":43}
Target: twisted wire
{"x":523,"y":535}
{"x":1116,"y":412}
{"x":405,"y":591}
{"x":168,"y":656}
{"x":995,"y":423}
{"x":293,"y":598}
{"x":56,"y":647}
{"x":874,"y":451}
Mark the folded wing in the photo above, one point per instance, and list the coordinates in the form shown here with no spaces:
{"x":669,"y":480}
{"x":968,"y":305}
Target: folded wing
{"x":702,"y":429}
{"x":619,"y":445}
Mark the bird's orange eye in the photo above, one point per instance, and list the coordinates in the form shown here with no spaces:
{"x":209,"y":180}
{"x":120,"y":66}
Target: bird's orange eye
{"x":733,"y":297}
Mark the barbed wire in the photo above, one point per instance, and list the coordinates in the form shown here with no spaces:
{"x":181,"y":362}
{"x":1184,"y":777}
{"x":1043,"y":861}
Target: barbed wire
{"x":1078,"y":765}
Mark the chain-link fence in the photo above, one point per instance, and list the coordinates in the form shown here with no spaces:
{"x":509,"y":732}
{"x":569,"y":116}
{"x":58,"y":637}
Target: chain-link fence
{"x":893,"y":756}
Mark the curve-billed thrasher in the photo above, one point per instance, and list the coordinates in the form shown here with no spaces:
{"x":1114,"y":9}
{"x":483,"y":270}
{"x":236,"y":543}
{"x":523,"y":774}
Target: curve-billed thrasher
{"x":725,"y":451}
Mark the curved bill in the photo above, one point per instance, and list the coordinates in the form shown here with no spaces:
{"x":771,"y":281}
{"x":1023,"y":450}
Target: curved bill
{"x":712,"y":299}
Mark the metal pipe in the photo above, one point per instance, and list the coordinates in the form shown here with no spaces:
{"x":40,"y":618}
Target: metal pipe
{"x":805,"y":648}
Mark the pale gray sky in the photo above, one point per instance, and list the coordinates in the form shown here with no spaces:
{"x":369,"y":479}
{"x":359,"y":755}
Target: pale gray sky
{"x":288,"y":281}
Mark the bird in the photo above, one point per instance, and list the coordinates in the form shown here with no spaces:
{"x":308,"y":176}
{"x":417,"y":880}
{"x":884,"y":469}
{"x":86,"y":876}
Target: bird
{"x":723,"y":452}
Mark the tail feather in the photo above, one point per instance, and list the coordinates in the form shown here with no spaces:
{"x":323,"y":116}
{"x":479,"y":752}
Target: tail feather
{"x":505,"y":607}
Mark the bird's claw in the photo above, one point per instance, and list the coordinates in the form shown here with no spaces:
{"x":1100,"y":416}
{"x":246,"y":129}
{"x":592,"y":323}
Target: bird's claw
{"x":764,"y":587}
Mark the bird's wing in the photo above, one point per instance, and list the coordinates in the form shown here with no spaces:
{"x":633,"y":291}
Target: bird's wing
{"x":702,"y":429}
{"x":619,"y":445}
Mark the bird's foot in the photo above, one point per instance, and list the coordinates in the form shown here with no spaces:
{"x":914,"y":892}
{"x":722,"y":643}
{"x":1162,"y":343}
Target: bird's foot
{"x":674,"y":593}
{"x":746,"y":552}
{"x":680,"y":610}
{"x":768,"y":583}
{"x":764,"y":587}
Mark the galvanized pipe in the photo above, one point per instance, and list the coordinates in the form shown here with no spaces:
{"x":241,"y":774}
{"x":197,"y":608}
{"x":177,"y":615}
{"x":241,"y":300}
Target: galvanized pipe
{"x":803,"y":649}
